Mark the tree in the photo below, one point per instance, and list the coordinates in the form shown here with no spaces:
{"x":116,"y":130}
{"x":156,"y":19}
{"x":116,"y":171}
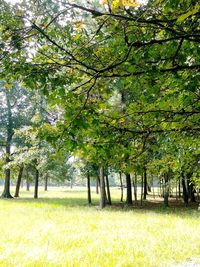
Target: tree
{"x":88,"y":58}
{"x":14,"y":105}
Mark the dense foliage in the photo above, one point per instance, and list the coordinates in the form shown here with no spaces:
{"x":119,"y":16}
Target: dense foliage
{"x":122,"y":81}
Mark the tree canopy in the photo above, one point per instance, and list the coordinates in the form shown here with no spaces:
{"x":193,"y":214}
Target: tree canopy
{"x":121,"y":78}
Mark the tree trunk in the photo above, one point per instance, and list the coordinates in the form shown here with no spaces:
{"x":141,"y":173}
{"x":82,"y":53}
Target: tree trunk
{"x":198,"y":194}
{"x":36,"y":184}
{"x":176,"y":190}
{"x":160,"y":188}
{"x":102,"y":188}
{"x":179,"y":187}
{"x":145,"y":183}
{"x":6,"y":191}
{"x":121,"y":186}
{"x":166,"y":190}
{"x":27,"y":185}
{"x":191,"y":189}
{"x":105,"y":189}
{"x":97,"y":185}
{"x":192,"y":193}
{"x":19,"y":179}
{"x":185,"y":191}
{"x":135,"y":187}
{"x":129,"y":200}
{"x":10,"y":132}
{"x":152,"y":182}
{"x":108,"y":191}
{"x":142,"y":186}
{"x":88,"y":189}
{"x":71,"y":183}
{"x":46,"y":183}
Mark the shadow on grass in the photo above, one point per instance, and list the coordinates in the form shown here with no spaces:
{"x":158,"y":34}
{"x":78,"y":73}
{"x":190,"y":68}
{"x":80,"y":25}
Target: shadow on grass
{"x":55,"y":201}
{"x":156,"y":206}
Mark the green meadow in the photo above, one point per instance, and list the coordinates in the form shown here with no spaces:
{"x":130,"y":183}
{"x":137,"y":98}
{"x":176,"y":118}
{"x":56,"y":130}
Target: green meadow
{"x":60,"y":229}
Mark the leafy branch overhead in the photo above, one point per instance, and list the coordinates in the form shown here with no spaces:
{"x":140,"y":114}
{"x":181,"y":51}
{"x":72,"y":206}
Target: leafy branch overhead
{"x":121,"y":79}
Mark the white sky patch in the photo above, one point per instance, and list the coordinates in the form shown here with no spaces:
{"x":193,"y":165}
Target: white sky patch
{"x":13,"y":1}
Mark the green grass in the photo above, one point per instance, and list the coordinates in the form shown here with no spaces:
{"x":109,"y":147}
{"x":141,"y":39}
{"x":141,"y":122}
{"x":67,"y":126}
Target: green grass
{"x":61,"y":230}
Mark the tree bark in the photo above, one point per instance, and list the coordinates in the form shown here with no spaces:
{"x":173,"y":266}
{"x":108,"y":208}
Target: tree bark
{"x":46,"y":183}
{"x":121,"y":186}
{"x":36,"y":184}
{"x":19,"y":179}
{"x":129,"y":200}
{"x":97,"y":185}
{"x":109,"y":202}
{"x":142,"y":187}
{"x":10,"y":132}
{"x":102,"y":188}
{"x":135,"y":187}
{"x":191,"y":189}
{"x":192,"y":192}
{"x":6,"y":191}
{"x":88,"y":189}
{"x":160,"y":188}
{"x":145,"y":183}
{"x":166,"y":190}
{"x":152,"y":182}
{"x":179,"y":187}
{"x":185,"y":191}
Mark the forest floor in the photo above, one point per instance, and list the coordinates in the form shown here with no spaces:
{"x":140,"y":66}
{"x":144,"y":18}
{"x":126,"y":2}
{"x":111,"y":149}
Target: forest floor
{"x":60,"y":229}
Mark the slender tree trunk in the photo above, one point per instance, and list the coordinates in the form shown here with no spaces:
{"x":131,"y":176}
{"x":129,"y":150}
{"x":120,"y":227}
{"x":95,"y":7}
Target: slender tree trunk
{"x":36,"y":184}
{"x":179,"y":187}
{"x":185,"y":191}
{"x":27,"y":185}
{"x":121,"y":186}
{"x":108,"y":191}
{"x":166,"y":190}
{"x":129,"y":200}
{"x":135,"y":187}
{"x":19,"y":179}
{"x":10,"y":132}
{"x":22,"y":183}
{"x":142,"y":186}
{"x":145,"y":183}
{"x":163,"y":188}
{"x":6,"y":191}
{"x":97,"y":185}
{"x":192,"y":193}
{"x":102,"y":188}
{"x":88,"y":189}
{"x":152,"y":186}
{"x":160,"y":188}
{"x":191,"y":189}
{"x":46,"y":183}
{"x":176,"y":191}
{"x":198,"y":193}
{"x":105,"y":190}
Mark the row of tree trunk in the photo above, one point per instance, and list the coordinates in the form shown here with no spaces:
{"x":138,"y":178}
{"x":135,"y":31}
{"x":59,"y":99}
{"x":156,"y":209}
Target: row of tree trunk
{"x":6,"y":193}
{"x":102,"y":182}
{"x":188,"y":188}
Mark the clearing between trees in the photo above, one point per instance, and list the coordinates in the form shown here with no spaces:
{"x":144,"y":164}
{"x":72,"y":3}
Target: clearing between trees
{"x":60,"y":229}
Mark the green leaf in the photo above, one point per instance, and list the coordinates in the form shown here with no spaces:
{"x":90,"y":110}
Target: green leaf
{"x":189,"y":13}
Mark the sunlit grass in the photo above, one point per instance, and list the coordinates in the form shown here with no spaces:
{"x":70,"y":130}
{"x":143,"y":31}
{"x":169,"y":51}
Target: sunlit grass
{"x":60,"y":229}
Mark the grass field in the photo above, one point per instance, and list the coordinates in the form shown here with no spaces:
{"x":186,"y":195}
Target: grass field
{"x":59,"y":229}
